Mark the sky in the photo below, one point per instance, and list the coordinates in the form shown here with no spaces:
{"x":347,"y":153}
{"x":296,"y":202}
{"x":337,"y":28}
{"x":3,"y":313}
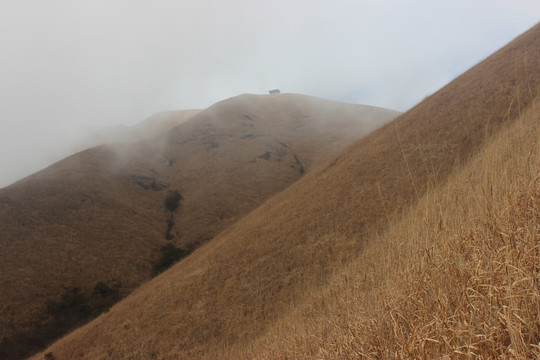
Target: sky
{"x":70,"y":66}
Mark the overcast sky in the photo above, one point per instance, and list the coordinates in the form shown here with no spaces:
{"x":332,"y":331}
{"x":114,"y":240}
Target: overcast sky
{"x":69,"y":65}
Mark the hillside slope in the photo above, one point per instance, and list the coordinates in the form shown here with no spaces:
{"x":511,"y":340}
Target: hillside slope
{"x":229,"y":292}
{"x":97,"y":222}
{"x":456,"y":277}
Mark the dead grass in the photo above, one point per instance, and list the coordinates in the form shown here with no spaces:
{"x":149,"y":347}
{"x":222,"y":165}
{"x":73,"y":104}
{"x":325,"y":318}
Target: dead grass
{"x":456,"y":277}
{"x":85,"y":219}
{"x":233,"y":291}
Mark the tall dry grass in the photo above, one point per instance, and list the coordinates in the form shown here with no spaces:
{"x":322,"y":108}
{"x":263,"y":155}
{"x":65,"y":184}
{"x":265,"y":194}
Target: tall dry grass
{"x":458,"y":276}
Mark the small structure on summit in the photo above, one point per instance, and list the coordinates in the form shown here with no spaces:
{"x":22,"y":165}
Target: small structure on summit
{"x":274,"y":92}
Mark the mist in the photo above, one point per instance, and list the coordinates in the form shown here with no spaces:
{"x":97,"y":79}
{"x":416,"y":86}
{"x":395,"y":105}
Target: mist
{"x":70,"y":66}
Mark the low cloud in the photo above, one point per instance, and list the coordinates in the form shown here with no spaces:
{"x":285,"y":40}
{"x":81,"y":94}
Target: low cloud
{"x":69,"y":65}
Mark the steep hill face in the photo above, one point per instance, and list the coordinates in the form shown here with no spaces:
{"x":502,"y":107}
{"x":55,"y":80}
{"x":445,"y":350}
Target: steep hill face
{"x":97,"y":224}
{"x":230,"y":291}
{"x":454,"y":277}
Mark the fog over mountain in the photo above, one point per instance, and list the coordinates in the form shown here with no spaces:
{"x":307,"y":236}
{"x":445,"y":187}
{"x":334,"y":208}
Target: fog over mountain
{"x":66,"y":66}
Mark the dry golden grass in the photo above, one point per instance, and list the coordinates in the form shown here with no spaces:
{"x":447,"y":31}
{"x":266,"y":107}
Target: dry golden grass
{"x":456,"y":277}
{"x":234,"y":290}
{"x":85,"y":220}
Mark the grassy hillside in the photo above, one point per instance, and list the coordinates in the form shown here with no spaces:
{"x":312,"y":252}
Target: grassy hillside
{"x":89,"y":229}
{"x":456,"y":276}
{"x":235,"y":289}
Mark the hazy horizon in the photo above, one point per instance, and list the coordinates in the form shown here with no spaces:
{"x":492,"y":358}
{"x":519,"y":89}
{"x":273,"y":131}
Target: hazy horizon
{"x":67,"y":66}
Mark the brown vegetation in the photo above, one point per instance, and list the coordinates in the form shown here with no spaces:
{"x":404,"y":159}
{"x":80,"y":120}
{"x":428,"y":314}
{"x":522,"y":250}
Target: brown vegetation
{"x":105,"y":214}
{"x":424,"y":286}
{"x":457,"y":276}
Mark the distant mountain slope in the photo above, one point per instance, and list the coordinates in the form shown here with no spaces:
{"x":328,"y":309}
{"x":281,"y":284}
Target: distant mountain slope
{"x":229,"y":292}
{"x":100,"y":219}
{"x":154,"y":126}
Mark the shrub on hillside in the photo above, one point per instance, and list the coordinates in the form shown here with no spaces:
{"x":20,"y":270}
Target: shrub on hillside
{"x":172,"y":200}
{"x":72,"y":303}
{"x":73,"y":309}
{"x":102,"y":289}
{"x":170,"y":254}
{"x":103,"y":297}
{"x":170,"y":224}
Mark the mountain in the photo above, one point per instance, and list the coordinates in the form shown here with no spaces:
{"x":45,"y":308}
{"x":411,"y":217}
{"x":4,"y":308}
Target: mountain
{"x":84,"y":232}
{"x":238,"y":288}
